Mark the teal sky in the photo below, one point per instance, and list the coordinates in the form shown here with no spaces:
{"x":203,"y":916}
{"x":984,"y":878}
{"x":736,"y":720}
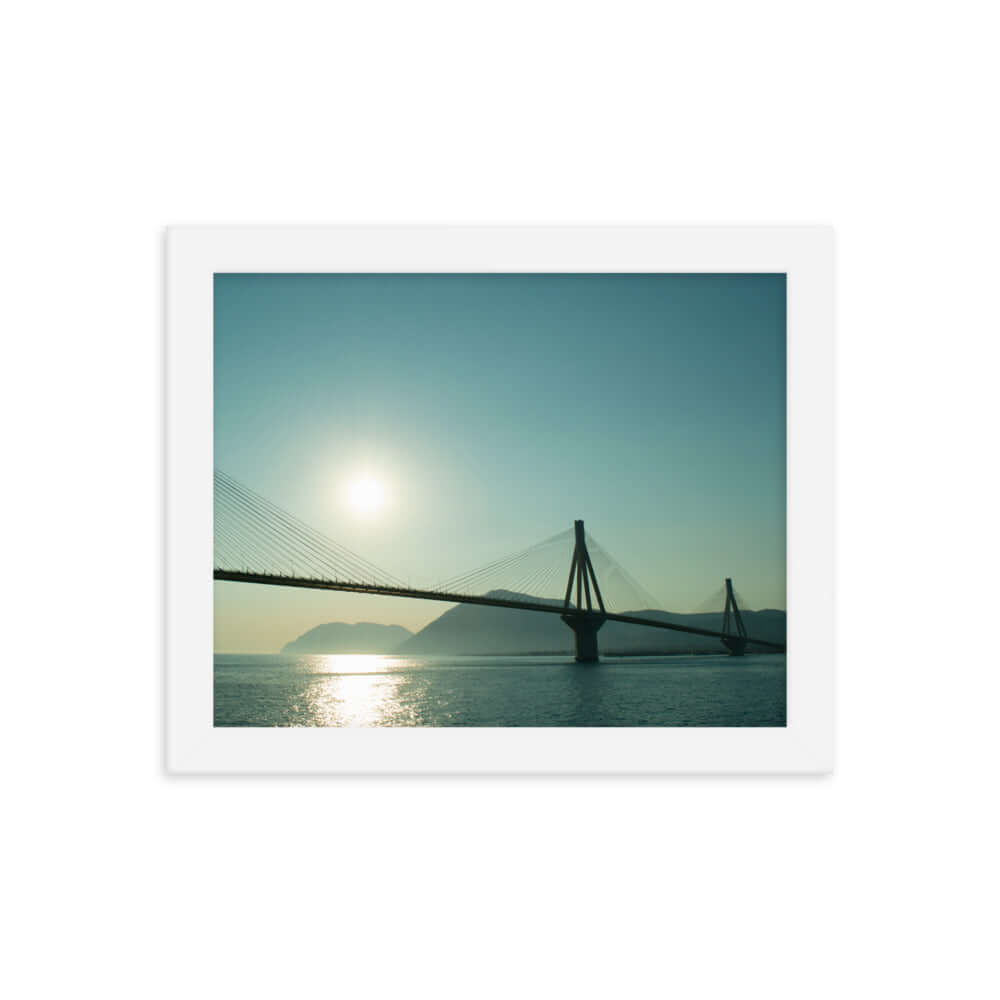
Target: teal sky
{"x":495,"y":409}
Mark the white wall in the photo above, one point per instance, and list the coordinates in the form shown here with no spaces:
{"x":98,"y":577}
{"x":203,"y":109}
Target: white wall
{"x":876,"y":117}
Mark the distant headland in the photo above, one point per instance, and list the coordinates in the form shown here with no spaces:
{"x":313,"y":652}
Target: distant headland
{"x":339,"y":637}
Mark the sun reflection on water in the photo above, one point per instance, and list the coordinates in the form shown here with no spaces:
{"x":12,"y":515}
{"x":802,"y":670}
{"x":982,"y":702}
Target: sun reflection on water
{"x":354,"y":689}
{"x":353,"y":663}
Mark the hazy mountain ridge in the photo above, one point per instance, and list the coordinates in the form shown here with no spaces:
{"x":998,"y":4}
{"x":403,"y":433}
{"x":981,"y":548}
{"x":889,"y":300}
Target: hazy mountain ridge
{"x":479,"y":630}
{"x":340,"y":637}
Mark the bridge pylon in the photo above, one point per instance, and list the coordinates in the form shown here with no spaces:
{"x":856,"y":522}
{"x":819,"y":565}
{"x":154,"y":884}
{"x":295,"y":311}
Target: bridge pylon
{"x":585,"y":622}
{"x":734,"y":633}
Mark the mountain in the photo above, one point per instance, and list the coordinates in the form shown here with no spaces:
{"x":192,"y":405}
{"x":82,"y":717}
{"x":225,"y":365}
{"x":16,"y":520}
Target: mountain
{"x":475,"y":629}
{"x":339,"y":637}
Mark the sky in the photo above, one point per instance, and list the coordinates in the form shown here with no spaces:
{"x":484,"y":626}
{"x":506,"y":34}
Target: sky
{"x":492,"y":410}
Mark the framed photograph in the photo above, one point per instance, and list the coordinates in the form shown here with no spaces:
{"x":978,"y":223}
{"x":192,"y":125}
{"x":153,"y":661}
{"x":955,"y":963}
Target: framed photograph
{"x":499,"y":500}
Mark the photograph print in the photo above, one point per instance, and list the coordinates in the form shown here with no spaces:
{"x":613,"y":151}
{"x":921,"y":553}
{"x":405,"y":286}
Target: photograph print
{"x":499,"y":500}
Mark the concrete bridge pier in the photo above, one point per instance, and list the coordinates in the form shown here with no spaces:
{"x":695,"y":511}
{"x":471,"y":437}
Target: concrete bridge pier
{"x":585,"y":627}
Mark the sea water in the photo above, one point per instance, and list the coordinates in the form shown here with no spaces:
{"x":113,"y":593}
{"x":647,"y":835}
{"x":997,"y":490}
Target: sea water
{"x":369,"y":690}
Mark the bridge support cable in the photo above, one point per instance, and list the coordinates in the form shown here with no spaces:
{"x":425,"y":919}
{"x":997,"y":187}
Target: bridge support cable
{"x":325,"y":547}
{"x":539,"y":583}
{"x":524,"y":572}
{"x":272,"y":546}
{"x":501,"y":573}
{"x":538,"y":573}
{"x":272,"y":543}
{"x":229,"y":551}
{"x":621,"y":590}
{"x":247,"y":523}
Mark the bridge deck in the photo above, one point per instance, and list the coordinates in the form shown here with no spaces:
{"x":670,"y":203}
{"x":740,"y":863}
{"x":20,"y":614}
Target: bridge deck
{"x":308,"y":583}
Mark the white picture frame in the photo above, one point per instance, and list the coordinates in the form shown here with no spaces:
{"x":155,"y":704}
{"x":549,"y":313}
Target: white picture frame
{"x":804,"y":745}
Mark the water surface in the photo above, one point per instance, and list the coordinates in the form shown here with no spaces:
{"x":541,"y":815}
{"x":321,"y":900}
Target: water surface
{"x":368,"y":690}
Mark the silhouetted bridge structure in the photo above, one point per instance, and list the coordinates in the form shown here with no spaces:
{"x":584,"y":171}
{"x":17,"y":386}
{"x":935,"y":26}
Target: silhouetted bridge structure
{"x":254,"y":527}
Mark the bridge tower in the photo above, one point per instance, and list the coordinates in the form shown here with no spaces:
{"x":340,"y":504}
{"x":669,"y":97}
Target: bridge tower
{"x":734,"y":633}
{"x":584,"y":623}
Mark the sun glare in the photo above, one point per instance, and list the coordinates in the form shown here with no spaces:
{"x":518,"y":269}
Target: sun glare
{"x":366,"y":495}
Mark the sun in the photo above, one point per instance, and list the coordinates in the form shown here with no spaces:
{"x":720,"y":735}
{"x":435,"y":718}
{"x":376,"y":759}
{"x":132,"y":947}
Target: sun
{"x":366,"y":495}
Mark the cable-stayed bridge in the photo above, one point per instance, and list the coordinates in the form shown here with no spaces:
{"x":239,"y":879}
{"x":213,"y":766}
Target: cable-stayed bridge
{"x":258,"y":542}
